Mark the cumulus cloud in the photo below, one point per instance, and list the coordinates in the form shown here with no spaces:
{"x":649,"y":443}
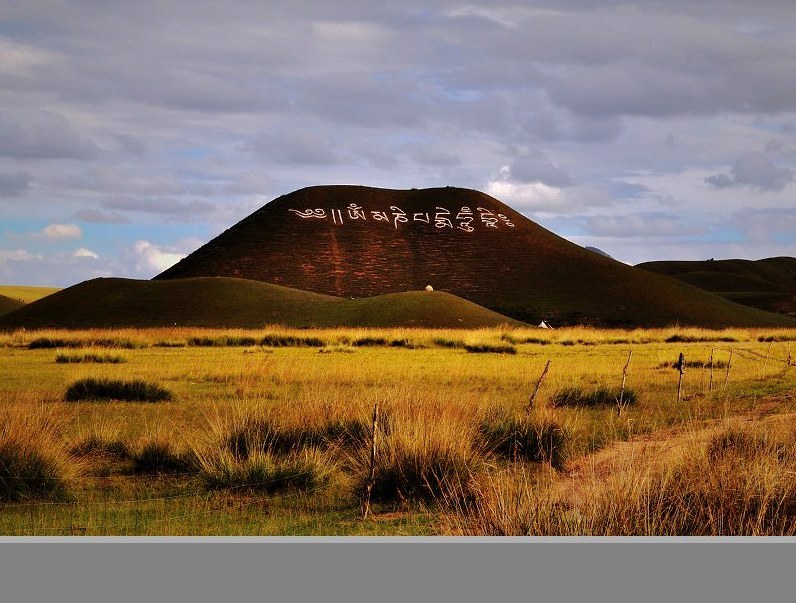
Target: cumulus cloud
{"x":82,"y":252}
{"x":755,"y":171}
{"x":153,"y":259}
{"x":62,"y":231}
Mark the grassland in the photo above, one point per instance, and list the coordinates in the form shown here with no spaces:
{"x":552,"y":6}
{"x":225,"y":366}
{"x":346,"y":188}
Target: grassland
{"x":268,"y":432}
{"x":25,"y":293}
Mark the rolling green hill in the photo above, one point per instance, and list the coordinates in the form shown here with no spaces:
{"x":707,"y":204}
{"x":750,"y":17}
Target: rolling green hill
{"x":768,"y":284}
{"x":25,"y":293}
{"x":356,"y":241}
{"x":229,"y":302}
{"x":8,"y":304}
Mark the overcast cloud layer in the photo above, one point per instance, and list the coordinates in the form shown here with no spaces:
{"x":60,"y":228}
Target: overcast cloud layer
{"x":131,"y":133}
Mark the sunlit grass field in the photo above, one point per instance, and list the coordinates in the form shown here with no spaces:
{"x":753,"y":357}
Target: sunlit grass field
{"x":269,"y":432}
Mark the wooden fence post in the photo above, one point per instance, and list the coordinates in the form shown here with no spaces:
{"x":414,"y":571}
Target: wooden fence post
{"x":681,"y":368}
{"x":536,"y":389}
{"x":371,"y":474}
{"x":622,"y":390}
{"x":729,"y":365}
{"x":710,"y":383}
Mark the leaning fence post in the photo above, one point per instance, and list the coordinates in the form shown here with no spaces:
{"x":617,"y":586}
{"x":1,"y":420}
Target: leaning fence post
{"x":622,"y":390}
{"x":371,"y":473}
{"x":710,"y":383}
{"x":681,"y":368}
{"x":536,"y":389}
{"x":727,"y":376}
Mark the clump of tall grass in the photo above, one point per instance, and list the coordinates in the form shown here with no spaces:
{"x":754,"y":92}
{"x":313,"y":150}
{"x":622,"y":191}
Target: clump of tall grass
{"x":115,"y":389}
{"x":157,"y":453}
{"x":514,"y":340}
{"x":424,"y":454}
{"x":601,"y":396}
{"x":93,"y":357}
{"x":488,"y":348}
{"x":696,"y":338}
{"x":283,"y":341}
{"x":102,"y":438}
{"x":269,"y":432}
{"x":56,"y":342}
{"x":34,"y":462}
{"x":536,"y":436}
{"x":306,"y":469}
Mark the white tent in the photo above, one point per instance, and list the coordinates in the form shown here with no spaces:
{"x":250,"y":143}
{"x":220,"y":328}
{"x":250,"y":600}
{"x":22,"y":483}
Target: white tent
{"x":544,"y":325}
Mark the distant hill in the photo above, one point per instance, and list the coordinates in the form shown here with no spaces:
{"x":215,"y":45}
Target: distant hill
{"x":8,"y":304}
{"x":768,"y":284}
{"x":228,"y":302}
{"x":355,"y":241}
{"x":26,"y":293}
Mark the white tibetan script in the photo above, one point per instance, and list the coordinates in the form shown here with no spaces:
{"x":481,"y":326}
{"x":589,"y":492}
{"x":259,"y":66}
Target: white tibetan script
{"x":463,"y":218}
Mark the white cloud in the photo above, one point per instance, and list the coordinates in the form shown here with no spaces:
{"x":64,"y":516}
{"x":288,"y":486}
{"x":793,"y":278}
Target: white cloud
{"x":82,"y":252}
{"x":155,"y":257}
{"x":17,"y":255}
{"x":62,"y":231}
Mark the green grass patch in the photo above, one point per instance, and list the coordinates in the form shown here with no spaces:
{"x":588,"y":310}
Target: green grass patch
{"x":115,"y":389}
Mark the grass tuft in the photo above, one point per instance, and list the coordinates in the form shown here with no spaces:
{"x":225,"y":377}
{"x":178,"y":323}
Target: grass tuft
{"x":158,"y":454}
{"x":94,"y":357}
{"x":601,"y":396}
{"x":34,"y":463}
{"x":538,"y":436}
{"x":115,"y":389}
{"x":485,"y":348}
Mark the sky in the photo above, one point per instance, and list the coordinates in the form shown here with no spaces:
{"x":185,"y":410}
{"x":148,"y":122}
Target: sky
{"x":133,"y":132}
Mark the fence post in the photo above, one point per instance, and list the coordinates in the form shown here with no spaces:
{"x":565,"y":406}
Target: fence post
{"x":371,"y":473}
{"x":536,"y":389}
{"x":727,"y":376}
{"x":710,"y":383}
{"x":681,"y":369}
{"x":622,"y":390}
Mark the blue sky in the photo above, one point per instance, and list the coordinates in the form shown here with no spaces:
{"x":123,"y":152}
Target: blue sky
{"x":131,"y":133}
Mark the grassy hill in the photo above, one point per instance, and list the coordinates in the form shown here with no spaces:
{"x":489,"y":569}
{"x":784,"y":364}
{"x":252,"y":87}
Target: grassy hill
{"x":228,"y":302}
{"x":768,"y":284}
{"x":25,"y":293}
{"x":8,"y":304}
{"x":355,"y":241}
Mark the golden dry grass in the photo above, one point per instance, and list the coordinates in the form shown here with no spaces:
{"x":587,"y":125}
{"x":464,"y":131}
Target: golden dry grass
{"x":242,"y":413}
